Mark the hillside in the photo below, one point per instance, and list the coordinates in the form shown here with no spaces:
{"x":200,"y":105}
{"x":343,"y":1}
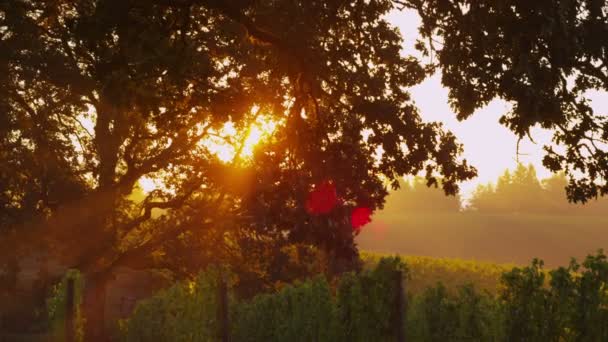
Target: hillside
{"x":515,"y":239}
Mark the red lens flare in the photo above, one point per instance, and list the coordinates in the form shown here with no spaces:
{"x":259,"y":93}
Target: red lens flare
{"x":360,"y":217}
{"x":322,"y":199}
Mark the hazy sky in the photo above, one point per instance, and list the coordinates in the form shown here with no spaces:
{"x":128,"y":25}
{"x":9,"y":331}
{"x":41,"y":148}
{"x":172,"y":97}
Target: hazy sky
{"x":488,"y":145}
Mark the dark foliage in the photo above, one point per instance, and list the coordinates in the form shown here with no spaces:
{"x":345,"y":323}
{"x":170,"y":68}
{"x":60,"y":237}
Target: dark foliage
{"x":542,"y":56}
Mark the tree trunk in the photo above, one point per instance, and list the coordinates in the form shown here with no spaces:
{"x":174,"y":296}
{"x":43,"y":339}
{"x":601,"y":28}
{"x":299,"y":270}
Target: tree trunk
{"x":94,"y":304}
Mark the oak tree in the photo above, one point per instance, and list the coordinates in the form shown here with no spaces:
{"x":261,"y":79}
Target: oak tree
{"x":96,"y":94}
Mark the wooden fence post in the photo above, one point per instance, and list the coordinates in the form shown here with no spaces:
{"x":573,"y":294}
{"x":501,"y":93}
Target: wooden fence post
{"x":69,"y":310}
{"x":400,"y":309}
{"x":223,"y":309}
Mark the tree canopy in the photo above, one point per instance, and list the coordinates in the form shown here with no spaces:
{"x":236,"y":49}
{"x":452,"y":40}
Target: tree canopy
{"x":156,"y":79}
{"x":544,"y":57}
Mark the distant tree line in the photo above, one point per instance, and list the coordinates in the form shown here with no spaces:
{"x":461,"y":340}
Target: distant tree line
{"x":515,"y":191}
{"x":414,"y":195}
{"x":520,"y":191}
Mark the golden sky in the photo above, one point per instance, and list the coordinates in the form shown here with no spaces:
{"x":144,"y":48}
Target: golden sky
{"x":488,"y":145}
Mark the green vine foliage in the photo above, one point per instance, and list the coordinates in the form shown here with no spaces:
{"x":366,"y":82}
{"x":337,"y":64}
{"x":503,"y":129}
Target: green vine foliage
{"x":532,"y":304}
{"x":366,"y":302}
{"x":435,"y":315}
{"x":526,"y":304}
{"x":571,"y":306}
{"x":56,"y":307}
{"x":186,"y":311}
{"x":362,"y":309}
{"x":304,"y":312}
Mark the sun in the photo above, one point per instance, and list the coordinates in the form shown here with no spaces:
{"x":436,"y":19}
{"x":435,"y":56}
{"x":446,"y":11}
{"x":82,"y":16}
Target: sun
{"x":258,"y":131}
{"x":147,"y":184}
{"x":225,"y":142}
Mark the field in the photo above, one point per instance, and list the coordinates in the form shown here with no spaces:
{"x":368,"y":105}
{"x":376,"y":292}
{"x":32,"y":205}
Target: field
{"x":425,"y":272}
{"x":512,"y":239}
